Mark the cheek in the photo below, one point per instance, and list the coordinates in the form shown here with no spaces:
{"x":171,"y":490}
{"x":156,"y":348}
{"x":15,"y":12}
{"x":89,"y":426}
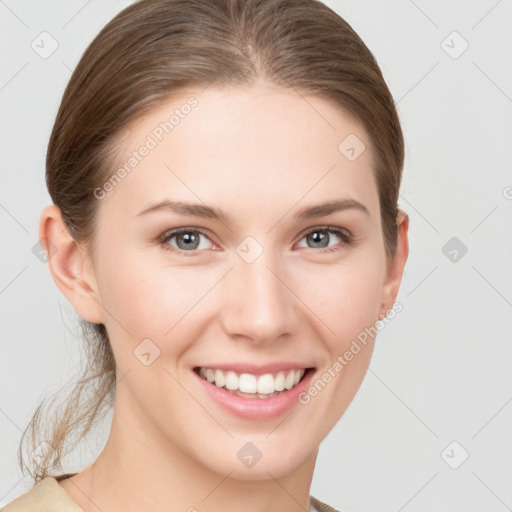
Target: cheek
{"x":345,"y":297}
{"x":144,"y":300}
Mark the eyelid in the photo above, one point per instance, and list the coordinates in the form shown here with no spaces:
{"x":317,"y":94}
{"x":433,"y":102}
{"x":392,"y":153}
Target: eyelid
{"x":347,"y":238}
{"x":171,"y":233}
{"x":336,"y":229}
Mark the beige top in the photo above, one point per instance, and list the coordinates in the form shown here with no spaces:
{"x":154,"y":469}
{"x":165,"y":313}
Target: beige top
{"x":49,"y":496}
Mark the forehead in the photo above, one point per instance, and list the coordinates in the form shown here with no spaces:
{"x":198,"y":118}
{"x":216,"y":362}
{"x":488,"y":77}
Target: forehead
{"x":229,"y":145}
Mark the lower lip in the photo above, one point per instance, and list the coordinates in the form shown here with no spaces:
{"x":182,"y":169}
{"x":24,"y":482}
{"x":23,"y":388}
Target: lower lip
{"x":256,"y":408}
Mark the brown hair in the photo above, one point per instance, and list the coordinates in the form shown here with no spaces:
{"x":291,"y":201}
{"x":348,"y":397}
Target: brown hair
{"x":155,"y":48}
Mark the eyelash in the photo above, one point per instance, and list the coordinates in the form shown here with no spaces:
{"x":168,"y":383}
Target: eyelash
{"x":344,"y":235}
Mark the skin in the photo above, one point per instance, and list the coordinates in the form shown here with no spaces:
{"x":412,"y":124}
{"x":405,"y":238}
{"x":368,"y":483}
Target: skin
{"x":260,"y":154}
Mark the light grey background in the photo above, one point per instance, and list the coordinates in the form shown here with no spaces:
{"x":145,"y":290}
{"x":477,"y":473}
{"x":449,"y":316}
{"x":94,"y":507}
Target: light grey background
{"x":441,"y":371}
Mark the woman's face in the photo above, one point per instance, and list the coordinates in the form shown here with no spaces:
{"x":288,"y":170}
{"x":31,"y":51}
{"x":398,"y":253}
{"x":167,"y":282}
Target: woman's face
{"x":262,"y":280}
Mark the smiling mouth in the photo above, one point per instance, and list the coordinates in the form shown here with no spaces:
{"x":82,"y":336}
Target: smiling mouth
{"x":247,"y":385}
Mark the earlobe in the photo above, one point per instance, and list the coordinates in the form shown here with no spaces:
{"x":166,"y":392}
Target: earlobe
{"x":69,"y":265}
{"x":396,"y":265}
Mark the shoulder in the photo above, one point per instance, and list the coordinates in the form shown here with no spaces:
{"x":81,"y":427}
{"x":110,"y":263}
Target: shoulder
{"x":49,"y":496}
{"x":46,"y":496}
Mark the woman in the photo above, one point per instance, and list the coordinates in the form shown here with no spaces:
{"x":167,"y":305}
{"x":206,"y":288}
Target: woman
{"x":225,"y":177}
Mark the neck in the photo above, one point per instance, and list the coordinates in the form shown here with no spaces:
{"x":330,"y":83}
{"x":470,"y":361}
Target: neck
{"x":140,"y":469}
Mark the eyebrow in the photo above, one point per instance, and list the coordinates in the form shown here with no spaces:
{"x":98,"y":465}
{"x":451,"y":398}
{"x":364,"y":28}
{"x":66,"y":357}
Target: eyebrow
{"x":324,"y":209}
{"x":201,"y":210}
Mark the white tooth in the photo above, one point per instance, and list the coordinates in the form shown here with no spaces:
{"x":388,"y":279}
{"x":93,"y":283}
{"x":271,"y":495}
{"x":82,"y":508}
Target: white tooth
{"x":231,"y":380}
{"x":247,"y":383}
{"x":266,"y":384}
{"x":220,"y":380}
{"x":290,"y":379}
{"x":279,"y":382}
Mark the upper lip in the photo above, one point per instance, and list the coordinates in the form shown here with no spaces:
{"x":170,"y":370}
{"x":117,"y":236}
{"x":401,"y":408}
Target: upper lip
{"x":256,"y":369}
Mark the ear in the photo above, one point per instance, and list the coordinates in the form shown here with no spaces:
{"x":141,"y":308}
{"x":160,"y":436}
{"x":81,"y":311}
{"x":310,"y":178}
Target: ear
{"x":395,"y":267}
{"x":70,"y":265}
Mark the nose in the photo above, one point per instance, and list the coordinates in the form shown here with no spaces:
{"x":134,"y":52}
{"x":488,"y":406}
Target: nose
{"x":257,"y":304}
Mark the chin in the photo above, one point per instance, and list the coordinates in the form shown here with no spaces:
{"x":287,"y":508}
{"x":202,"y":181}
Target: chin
{"x":260,"y":459}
